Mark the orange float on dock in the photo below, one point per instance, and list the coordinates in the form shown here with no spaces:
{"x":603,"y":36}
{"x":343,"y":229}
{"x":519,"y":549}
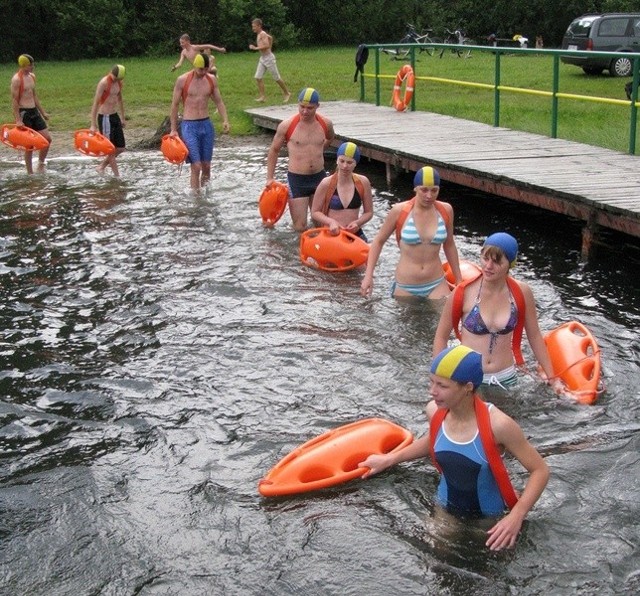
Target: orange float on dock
{"x":468,"y":270}
{"x":273,"y":202}
{"x":342,"y":252}
{"x":333,"y":457}
{"x":22,"y":138}
{"x":92,"y":144}
{"x":173,"y":149}
{"x":575,"y":358}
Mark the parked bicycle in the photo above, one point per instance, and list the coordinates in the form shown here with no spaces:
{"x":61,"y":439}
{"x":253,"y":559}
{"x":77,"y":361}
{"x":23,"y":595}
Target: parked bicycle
{"x":458,"y":37}
{"x":412,"y":36}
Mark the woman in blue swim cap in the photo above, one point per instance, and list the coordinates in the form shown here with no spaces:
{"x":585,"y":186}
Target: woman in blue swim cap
{"x":423,"y":225}
{"x":489,"y":314}
{"x":465,"y":439}
{"x":343,"y":200}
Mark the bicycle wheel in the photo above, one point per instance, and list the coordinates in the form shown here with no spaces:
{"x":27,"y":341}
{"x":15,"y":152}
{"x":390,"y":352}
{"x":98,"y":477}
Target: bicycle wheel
{"x":466,"y":52}
{"x":402,"y":53}
{"x":428,"y":50}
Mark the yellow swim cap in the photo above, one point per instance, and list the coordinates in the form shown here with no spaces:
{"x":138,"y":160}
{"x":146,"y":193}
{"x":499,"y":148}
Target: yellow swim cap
{"x":121,"y":71}
{"x":199,"y":61}
{"x":25,"y":60}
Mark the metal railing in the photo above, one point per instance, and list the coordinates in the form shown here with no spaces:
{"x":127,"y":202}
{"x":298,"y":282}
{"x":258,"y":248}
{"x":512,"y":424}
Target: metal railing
{"x":554,"y":94}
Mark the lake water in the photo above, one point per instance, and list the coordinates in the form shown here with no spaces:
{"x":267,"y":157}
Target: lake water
{"x":160,"y":352}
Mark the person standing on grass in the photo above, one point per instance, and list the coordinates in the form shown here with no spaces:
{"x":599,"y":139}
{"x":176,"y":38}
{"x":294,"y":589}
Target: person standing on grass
{"x":190,"y":51}
{"x":27,"y":110}
{"x":194,"y":89}
{"x":267,"y":61}
{"x":306,"y":134}
{"x":107,"y":115}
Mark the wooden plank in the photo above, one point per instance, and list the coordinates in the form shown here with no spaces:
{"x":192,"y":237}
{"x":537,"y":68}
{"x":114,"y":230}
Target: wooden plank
{"x":591,"y":183}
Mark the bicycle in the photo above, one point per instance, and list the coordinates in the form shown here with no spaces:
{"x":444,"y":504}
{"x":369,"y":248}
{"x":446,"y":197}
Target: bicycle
{"x":412,"y":36}
{"x":458,"y":37}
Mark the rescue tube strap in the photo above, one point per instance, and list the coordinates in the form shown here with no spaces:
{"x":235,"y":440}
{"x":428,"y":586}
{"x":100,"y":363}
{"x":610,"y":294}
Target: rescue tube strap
{"x":408,"y":206}
{"x":296,"y":120}
{"x":107,"y":90}
{"x":496,"y":464}
{"x":187,"y":84}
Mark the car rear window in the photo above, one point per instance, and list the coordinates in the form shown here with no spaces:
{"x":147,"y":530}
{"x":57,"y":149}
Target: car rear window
{"x":613,"y":27}
{"x":581,"y":27}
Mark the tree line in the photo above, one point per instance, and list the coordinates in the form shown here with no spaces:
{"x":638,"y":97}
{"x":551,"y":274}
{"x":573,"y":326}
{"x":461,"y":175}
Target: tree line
{"x":78,"y":29}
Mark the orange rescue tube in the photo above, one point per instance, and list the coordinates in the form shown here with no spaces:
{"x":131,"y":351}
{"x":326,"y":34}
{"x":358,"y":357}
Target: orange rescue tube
{"x":92,"y":144}
{"x":342,"y":252}
{"x":333,"y":457}
{"x":273,"y":202}
{"x":468,"y":270}
{"x":173,"y":149}
{"x":406,"y":72}
{"x":575,"y":358}
{"x":22,"y":138}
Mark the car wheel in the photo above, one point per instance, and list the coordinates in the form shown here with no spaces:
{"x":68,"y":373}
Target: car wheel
{"x":620,"y":67}
{"x":592,"y":70}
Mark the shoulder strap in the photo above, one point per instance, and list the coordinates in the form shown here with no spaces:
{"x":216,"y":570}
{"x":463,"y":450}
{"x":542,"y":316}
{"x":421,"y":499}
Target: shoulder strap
{"x":458,"y":300}
{"x":107,"y":89}
{"x":296,"y":120}
{"x":516,"y":340}
{"x":404,"y":213}
{"x":189,"y":80}
{"x":493,"y":455}
{"x":443,"y":213}
{"x":333,"y":184}
{"x":434,"y":427}
{"x":21,"y":85}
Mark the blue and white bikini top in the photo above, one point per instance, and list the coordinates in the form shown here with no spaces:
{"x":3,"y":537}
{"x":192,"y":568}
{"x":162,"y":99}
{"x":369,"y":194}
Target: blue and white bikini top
{"x":410,"y":235}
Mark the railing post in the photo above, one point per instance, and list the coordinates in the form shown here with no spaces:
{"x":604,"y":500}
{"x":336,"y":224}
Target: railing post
{"x":413,"y":68}
{"x":496,"y":100}
{"x":633,"y":120}
{"x":377,"y":76}
{"x":554,"y":96}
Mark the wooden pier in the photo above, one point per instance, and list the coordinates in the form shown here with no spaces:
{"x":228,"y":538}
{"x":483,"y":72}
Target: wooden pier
{"x":599,"y":186}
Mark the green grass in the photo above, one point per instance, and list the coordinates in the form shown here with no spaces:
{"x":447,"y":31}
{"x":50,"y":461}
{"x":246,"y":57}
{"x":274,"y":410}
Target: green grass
{"x":66,"y":90}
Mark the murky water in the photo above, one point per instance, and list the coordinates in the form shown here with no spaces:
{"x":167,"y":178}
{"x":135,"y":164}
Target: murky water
{"x":161,"y":352}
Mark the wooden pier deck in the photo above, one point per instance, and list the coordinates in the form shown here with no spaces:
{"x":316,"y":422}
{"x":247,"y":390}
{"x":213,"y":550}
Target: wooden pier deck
{"x":599,"y":186}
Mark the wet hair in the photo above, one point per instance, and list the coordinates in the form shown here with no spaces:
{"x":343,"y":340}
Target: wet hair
{"x":185,"y":36}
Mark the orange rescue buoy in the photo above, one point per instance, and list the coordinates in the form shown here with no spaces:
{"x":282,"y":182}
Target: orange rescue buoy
{"x":22,"y":138}
{"x":406,"y":72}
{"x":173,"y":149}
{"x":468,"y":270}
{"x":575,"y":358}
{"x":273,"y":202}
{"x":342,"y":252}
{"x":92,"y":144}
{"x":333,"y":457}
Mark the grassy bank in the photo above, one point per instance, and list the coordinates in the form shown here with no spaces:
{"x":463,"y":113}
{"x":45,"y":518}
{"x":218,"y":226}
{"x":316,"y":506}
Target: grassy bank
{"x":66,"y":90}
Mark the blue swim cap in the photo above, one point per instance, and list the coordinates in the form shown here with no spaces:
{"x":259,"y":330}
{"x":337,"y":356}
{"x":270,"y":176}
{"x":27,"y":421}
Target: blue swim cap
{"x":349,"y":150}
{"x":505,"y":242}
{"x":459,"y":364}
{"x":309,"y":95}
{"x":426,"y":176}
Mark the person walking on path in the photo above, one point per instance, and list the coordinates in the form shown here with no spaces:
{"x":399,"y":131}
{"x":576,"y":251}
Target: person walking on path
{"x":191,"y":50}
{"x":27,"y":110}
{"x":194,"y":89}
{"x":267,"y":61}
{"x":107,"y":115}
{"x":306,"y":134}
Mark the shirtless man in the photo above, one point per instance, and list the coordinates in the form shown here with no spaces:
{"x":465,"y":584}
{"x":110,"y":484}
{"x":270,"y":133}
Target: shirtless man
{"x":306,"y":135}
{"x":194,"y":89}
{"x":190,"y":51}
{"x":107,"y":115}
{"x":267,"y":61}
{"x":27,"y":110}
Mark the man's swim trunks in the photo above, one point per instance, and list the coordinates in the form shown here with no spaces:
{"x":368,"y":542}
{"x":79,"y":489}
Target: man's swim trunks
{"x":304,"y":185}
{"x":32,"y":118}
{"x":111,"y":127}
{"x":199,"y":137}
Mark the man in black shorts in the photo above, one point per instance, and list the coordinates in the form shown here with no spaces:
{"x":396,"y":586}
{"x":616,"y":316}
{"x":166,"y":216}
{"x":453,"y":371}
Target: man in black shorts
{"x":27,"y":110}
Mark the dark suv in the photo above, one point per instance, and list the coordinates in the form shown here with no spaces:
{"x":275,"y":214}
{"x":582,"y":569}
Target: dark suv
{"x":615,"y":32}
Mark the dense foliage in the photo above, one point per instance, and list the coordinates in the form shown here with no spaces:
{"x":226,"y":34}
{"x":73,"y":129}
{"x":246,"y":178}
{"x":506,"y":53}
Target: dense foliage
{"x":73,"y":29}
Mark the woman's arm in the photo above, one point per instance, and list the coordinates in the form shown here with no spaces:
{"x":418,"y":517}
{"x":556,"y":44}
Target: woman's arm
{"x":317,"y":207}
{"x":367,"y":206}
{"x":445,"y":327}
{"x":508,"y":434}
{"x":534,"y":335}
{"x":449,"y":246}
{"x":388,"y":227}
